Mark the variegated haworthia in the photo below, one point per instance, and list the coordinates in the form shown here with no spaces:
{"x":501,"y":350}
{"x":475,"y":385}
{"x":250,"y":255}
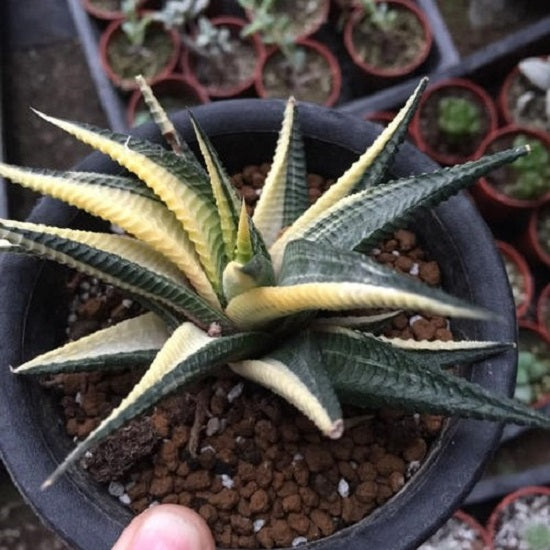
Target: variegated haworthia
{"x":226,"y":289}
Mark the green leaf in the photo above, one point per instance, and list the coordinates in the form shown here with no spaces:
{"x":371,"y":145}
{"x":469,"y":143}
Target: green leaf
{"x":187,"y":354}
{"x":295,"y":371}
{"x":366,"y":171}
{"x":121,"y":261}
{"x":227,"y":201}
{"x":180,"y":183}
{"x":368,"y":216}
{"x":367,"y":372}
{"x":440,"y":354}
{"x":130,"y":343}
{"x":284,"y":195}
{"x":128,"y":203}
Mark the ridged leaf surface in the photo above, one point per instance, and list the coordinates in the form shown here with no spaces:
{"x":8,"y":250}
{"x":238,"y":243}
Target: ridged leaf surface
{"x":295,"y":371}
{"x":130,"y":343}
{"x":369,"y":373}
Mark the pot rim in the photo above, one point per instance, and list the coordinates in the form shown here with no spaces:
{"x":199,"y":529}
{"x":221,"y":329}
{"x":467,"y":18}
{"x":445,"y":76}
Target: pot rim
{"x":544,"y":296}
{"x":464,"y":446}
{"x":532,"y":234}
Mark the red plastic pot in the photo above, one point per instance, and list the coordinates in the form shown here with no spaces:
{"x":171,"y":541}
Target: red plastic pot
{"x":107,"y":15}
{"x":543,"y":311}
{"x":173,"y":85}
{"x":311,"y":25}
{"x":189,"y":60}
{"x":530,"y":238}
{"x":503,"y":100}
{"x":482,"y":533}
{"x":112,"y":30}
{"x":495,"y":205}
{"x":389,"y":72}
{"x":518,"y":260}
{"x":493,"y":523}
{"x":333,"y":67}
{"x":480,"y":95}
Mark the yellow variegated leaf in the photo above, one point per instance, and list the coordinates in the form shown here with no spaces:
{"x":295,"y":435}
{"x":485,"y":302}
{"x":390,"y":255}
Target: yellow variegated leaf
{"x":196,"y":213}
{"x":343,"y":185}
{"x":269,"y":211}
{"x":277,"y":377}
{"x":261,"y":305}
{"x":128,"y":338}
{"x":147,"y":219}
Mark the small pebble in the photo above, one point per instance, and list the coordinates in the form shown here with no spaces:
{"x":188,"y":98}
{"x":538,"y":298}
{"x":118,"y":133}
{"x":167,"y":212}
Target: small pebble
{"x":298,"y":541}
{"x":235,"y":391}
{"x":343,"y":488}
{"x":116,"y":489}
{"x":258,"y":524}
{"x":227,"y":481}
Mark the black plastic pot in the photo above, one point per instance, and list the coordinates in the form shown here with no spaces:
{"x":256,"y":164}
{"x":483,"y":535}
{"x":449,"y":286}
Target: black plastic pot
{"x":32,"y":438}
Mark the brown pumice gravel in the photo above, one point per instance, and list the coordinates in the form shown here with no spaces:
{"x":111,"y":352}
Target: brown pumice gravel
{"x":254,"y":468}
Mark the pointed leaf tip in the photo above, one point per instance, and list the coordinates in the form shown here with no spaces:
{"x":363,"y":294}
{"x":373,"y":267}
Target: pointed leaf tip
{"x":337,"y":429}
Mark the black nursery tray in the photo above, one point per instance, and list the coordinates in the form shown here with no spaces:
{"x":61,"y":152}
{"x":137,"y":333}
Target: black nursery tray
{"x":358,"y":97}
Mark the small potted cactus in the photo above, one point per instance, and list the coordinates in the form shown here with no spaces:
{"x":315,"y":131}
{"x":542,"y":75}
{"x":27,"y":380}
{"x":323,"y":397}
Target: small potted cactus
{"x":224,"y":291}
{"x":453,"y":119}
{"x":521,"y":520}
{"x":524,"y":98}
{"x":533,"y":376}
{"x":387,"y":40}
{"x":535,"y":239}
{"x":137,"y":44}
{"x":303,"y":68}
{"x":522,"y":185}
{"x":519,"y":275}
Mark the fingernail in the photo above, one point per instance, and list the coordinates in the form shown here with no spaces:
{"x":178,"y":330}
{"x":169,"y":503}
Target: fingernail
{"x":166,"y":531}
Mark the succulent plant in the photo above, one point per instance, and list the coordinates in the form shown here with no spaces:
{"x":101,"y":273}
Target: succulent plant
{"x":532,"y":173}
{"x":458,"y":118}
{"x":228,"y":291}
{"x":135,"y":23}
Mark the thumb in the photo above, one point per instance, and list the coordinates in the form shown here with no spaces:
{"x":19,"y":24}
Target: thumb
{"x":166,"y":527}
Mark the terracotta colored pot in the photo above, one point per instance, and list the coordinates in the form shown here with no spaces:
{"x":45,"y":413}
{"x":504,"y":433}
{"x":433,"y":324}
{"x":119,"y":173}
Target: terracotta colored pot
{"x":333,"y":67}
{"x":494,"y":204}
{"x":518,"y":260}
{"x":539,"y":334}
{"x":113,"y":30}
{"x":462,"y":516}
{"x":481,"y":97}
{"x":530,"y":238}
{"x":381,"y":117}
{"x":543,"y":310}
{"x":389,"y":72}
{"x":107,"y":15}
{"x":503,"y":101}
{"x":173,"y":85}
{"x":189,"y":61}
{"x":311,"y":25}
{"x":492,"y":524}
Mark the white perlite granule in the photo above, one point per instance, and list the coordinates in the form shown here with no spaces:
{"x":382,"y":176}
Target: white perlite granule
{"x":258,"y":524}
{"x":524,"y":524}
{"x":454,"y":535}
{"x":298,"y":541}
{"x":343,"y":488}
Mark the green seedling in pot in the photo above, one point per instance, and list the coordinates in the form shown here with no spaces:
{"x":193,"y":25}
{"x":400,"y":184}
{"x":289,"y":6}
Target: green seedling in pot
{"x":229,"y":291}
{"x":176,"y":14}
{"x":533,"y":375}
{"x":378,"y":13}
{"x":537,"y":536}
{"x":135,"y":24}
{"x":458,"y":119}
{"x":532,"y":173}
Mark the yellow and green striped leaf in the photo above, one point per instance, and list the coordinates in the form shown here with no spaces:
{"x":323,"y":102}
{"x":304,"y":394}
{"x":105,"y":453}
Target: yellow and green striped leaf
{"x":227,"y":200}
{"x":119,"y":260}
{"x":126,"y":202}
{"x":320,"y":277}
{"x":284,"y":196}
{"x":368,"y":323}
{"x":365,"y":172}
{"x":188,"y":353}
{"x":295,"y":371}
{"x":368,"y":216}
{"x":367,"y":372}
{"x":130,"y":343}
{"x":179,"y":183}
